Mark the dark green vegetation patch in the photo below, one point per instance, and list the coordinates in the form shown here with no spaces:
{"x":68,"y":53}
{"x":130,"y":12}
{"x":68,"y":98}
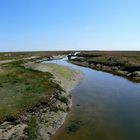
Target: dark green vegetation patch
{"x":74,"y":126}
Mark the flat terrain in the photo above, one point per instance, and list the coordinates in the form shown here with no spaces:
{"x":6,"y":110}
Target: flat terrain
{"x":67,"y":76}
{"x":20,"y":55}
{"x":34,"y":96}
{"x":22,"y":88}
{"x":124,"y":58}
{"x":126,"y":63}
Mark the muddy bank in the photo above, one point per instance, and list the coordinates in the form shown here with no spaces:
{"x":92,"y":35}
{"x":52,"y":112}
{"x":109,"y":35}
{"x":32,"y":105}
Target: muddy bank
{"x":48,"y":116}
{"x":57,"y":57}
{"x":61,"y":102}
{"x":66,"y":77}
{"x":42,"y":120}
{"x":131,"y":74}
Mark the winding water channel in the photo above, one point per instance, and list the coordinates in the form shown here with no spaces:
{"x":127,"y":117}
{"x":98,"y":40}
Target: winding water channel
{"x":105,"y":107}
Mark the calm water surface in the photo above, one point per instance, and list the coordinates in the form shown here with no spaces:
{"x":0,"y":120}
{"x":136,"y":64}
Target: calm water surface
{"x":105,"y":107}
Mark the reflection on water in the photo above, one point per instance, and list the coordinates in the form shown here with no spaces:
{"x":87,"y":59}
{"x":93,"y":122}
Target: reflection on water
{"x":105,"y":107}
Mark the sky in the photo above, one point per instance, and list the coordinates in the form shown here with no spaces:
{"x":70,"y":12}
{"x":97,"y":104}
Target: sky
{"x":34,"y":25}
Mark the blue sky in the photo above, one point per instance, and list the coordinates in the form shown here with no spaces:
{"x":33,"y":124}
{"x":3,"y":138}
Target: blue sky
{"x":69,"y":24}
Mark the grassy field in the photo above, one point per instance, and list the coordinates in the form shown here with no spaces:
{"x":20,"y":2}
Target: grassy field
{"x":27,"y":94}
{"x":22,"y":88}
{"x":122,"y":58}
{"x":19,"y":55}
{"x":127,"y":59}
{"x":124,"y":63}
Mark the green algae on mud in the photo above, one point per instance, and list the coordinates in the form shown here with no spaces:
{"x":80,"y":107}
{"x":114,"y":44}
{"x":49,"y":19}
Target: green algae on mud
{"x":65,"y":76}
{"x":74,"y":126}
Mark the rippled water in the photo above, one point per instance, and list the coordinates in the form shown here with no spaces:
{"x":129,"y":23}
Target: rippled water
{"x":105,"y":107}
